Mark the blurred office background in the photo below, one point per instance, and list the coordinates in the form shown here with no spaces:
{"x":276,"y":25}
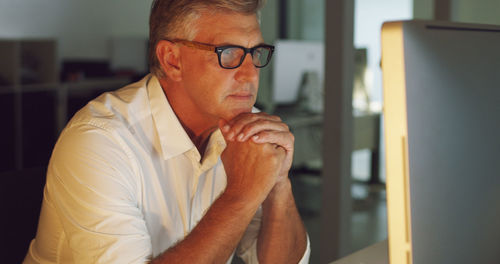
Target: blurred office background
{"x":56,"y":55}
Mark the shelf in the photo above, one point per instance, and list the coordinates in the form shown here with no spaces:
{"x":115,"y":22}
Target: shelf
{"x":34,"y":105}
{"x":27,"y":61}
{"x":35,"y":114}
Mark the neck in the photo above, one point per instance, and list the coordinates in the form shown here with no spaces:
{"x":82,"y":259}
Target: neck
{"x":200,"y":140}
{"x":199,"y":128}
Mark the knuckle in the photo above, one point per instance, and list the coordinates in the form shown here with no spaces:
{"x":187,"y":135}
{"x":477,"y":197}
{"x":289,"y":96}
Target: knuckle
{"x":253,"y":116}
{"x":237,"y":127}
{"x":267,"y":122}
{"x":270,"y":117}
{"x":264,"y":134}
{"x":285,"y":126}
{"x":268,"y":149}
{"x":249,"y":128}
{"x":246,"y":128}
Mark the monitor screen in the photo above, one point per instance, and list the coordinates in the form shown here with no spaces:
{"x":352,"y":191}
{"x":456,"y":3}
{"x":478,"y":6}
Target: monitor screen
{"x":293,"y":59}
{"x":442,"y":133}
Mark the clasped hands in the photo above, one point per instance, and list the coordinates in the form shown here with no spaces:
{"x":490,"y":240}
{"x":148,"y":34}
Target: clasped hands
{"x":258,"y":155}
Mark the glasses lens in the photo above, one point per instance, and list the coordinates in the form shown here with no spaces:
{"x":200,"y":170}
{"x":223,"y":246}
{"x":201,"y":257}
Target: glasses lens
{"x":230,"y":57}
{"x":261,"y":56}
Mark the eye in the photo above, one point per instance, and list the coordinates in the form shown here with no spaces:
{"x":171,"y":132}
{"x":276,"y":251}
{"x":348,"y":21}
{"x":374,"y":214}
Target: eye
{"x":230,"y":57}
{"x":261,"y":51}
{"x":261,"y":56}
{"x":231,"y":53}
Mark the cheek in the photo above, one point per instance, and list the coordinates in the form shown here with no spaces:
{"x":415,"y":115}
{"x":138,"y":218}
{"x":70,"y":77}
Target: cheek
{"x":218,"y":81}
{"x":210,"y":89}
{"x":208,"y":82}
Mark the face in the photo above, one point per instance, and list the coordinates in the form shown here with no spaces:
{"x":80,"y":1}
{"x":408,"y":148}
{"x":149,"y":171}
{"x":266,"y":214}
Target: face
{"x":210,"y":91}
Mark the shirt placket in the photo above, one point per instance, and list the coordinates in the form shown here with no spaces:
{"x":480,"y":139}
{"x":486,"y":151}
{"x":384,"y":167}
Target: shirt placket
{"x":195,"y":157}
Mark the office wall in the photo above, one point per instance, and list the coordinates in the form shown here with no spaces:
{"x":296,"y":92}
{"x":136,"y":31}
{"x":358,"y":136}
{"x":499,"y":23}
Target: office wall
{"x":423,"y":9}
{"x":306,"y":19}
{"x":470,"y":11}
{"x":476,"y":11}
{"x":83,"y":28}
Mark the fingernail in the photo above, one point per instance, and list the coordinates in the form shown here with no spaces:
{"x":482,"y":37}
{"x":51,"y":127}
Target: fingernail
{"x":230,"y":136}
{"x":255,"y":138}
{"x":240,"y":137}
{"x":225,"y":128}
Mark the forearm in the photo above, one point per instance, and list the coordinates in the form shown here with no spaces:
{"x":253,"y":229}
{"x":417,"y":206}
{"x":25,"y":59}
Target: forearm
{"x":216,"y":236}
{"x":282,"y":238}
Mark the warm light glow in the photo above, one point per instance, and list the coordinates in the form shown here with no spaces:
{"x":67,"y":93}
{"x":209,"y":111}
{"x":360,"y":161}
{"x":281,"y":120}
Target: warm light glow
{"x":396,"y":132}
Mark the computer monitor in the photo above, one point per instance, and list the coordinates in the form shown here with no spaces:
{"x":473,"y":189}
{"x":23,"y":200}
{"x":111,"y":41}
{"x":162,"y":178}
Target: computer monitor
{"x":442,"y":133}
{"x":293,"y":59}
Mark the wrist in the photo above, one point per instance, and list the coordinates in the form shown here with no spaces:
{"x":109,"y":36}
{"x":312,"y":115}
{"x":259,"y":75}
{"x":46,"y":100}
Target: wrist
{"x":280,"y":194}
{"x":240,"y":200}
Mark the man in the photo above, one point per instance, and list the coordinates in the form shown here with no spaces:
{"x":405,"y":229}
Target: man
{"x":176,"y":168}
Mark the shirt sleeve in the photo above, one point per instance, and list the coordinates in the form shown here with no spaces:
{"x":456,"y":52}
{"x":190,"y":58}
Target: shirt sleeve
{"x":247,"y":249}
{"x":92,"y":184}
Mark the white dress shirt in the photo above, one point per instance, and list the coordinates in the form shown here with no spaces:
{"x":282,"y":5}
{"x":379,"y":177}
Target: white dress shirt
{"x":125,"y":183}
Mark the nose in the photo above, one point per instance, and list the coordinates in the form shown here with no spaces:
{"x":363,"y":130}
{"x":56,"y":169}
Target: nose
{"x":247,"y":72}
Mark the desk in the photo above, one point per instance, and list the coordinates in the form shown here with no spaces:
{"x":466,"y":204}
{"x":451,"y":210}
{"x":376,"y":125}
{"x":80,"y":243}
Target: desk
{"x":375,"y":254}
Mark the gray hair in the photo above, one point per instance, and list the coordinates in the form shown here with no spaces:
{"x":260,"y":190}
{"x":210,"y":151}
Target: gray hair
{"x":172,"y":19}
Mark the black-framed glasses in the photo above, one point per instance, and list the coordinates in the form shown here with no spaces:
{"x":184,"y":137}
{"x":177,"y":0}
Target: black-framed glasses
{"x":232,"y":56}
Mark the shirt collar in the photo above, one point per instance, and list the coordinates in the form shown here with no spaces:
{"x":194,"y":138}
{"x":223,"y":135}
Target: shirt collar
{"x":173,"y":138}
{"x":216,"y":144}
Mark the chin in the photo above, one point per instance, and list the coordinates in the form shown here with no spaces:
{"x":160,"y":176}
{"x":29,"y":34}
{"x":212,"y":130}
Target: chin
{"x":235,"y":112}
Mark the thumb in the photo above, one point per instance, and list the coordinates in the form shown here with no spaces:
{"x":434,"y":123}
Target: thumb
{"x":224,"y":126}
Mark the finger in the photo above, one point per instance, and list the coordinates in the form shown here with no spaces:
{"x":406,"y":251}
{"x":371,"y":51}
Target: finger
{"x":280,"y":149}
{"x":241,"y":116}
{"x":260,"y":125}
{"x":242,"y":120}
{"x":224,"y":126}
{"x":237,"y":123}
{"x":283,"y":139}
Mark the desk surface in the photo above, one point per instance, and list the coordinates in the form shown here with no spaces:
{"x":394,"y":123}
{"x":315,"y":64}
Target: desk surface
{"x":374,"y":254}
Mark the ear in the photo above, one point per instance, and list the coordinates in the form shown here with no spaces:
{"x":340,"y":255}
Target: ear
{"x":168,"y":54}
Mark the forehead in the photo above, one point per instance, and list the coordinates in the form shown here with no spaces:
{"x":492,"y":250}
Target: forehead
{"x":228,"y":28}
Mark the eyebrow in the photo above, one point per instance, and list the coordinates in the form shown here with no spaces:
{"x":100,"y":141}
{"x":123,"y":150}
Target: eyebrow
{"x":232,"y":44}
{"x":262,"y":42}
{"x":209,"y":46}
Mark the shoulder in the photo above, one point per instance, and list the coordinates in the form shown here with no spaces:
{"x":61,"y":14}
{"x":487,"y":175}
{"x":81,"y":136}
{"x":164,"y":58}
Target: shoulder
{"x":117,"y":109}
{"x":103,"y":130}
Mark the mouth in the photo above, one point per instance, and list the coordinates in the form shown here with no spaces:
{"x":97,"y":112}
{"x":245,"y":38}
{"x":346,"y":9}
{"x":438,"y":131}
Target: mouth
{"x":241,"y":96}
